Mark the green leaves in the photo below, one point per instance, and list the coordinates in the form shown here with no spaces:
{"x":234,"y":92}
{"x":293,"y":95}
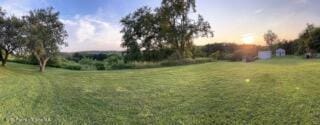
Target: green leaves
{"x":11,"y":35}
{"x":168,"y":26}
{"x":45,"y":33}
{"x":270,"y":37}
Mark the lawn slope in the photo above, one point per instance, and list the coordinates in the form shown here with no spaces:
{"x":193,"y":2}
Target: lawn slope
{"x":278,"y":91}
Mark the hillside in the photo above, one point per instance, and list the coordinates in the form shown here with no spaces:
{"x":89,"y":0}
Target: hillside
{"x":278,"y":91}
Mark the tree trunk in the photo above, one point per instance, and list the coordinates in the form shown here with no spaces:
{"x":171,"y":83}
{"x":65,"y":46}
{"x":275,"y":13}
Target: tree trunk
{"x":1,"y":58}
{"x":43,"y":64}
{"x":42,"y":68}
{"x":179,"y":54}
{"x":4,"y":60}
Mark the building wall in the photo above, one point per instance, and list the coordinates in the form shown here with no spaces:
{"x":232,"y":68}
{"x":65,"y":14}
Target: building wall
{"x":264,"y":55}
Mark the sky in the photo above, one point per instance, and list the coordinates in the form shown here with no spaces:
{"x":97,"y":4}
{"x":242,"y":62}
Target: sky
{"x":94,"y":24}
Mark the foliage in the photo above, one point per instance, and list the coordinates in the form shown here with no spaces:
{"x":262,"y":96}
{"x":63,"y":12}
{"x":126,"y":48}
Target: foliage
{"x":45,"y":33}
{"x":198,"y":52}
{"x":122,"y":66}
{"x":147,"y":32}
{"x":11,"y":36}
{"x":270,"y":37}
{"x":144,"y":65}
{"x":187,"y":61}
{"x":230,"y":51}
{"x":94,"y":56}
{"x":157,"y":55}
{"x":221,"y":47}
{"x":309,"y":39}
{"x":216,"y":55}
{"x":87,"y":61}
{"x":114,"y":59}
{"x":73,"y":66}
{"x":57,"y":62}
{"x":177,"y":28}
{"x":100,"y":66}
{"x":139,"y":26}
{"x":291,"y":47}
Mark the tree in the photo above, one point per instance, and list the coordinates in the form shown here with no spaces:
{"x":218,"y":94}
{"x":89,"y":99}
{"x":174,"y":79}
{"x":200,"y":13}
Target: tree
{"x":309,"y":39}
{"x":45,"y":34}
{"x":270,"y":37}
{"x":12,"y":37}
{"x":140,"y":32}
{"x":2,"y":14}
{"x":168,"y":26}
{"x":178,"y":29}
{"x":288,"y":45}
{"x":1,"y":58}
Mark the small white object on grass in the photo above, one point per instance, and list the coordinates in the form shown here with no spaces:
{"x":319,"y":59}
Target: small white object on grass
{"x":247,"y":80}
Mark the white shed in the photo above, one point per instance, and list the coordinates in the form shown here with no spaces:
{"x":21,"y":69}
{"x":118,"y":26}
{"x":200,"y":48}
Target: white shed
{"x":264,"y":55}
{"x":280,"y":52}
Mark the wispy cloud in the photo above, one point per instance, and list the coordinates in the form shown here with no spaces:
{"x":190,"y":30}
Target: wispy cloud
{"x":86,"y":32}
{"x":258,"y":11}
{"x":300,"y":1}
{"x":21,"y":7}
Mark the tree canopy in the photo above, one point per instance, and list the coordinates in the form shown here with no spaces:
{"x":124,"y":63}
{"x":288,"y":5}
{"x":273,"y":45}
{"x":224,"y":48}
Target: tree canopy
{"x":309,"y":39}
{"x":270,"y":37}
{"x":168,"y":26}
{"x":12,"y":36}
{"x":46,"y":34}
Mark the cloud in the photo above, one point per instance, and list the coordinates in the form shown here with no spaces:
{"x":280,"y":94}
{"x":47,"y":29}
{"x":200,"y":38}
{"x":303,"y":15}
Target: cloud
{"x":21,"y":7}
{"x":300,"y":1}
{"x":90,"y":33}
{"x":86,"y":32}
{"x":258,"y":11}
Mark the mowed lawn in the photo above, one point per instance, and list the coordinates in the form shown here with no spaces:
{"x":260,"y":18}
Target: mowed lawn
{"x":277,"y":91}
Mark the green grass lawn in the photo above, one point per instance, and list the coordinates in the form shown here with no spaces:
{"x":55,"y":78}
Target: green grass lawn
{"x":278,"y":91}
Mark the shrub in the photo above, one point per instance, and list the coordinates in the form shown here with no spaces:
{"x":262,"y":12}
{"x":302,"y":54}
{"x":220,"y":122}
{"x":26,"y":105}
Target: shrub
{"x":100,"y":66}
{"x":88,"y":64}
{"x":237,"y":56}
{"x":142,"y":65}
{"x":227,"y":56}
{"x":87,"y":61}
{"x":22,"y":61}
{"x":216,"y":55}
{"x":185,"y":61}
{"x":114,"y":59}
{"x":122,"y":66}
{"x":72,"y":67}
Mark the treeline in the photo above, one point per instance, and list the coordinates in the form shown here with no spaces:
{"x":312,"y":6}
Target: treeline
{"x":307,"y":44}
{"x":152,"y":37}
{"x":39,"y":34}
{"x":167,"y":32}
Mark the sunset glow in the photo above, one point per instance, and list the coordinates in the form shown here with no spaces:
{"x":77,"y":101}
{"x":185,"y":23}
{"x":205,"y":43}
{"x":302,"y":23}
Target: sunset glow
{"x":248,"y":39}
{"x":94,"y":25}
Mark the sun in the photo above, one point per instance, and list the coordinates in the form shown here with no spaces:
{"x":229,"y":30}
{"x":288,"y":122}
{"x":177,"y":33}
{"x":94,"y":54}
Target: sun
{"x":247,"y":39}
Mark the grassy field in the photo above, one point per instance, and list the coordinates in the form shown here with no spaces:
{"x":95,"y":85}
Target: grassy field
{"x":278,"y":91}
